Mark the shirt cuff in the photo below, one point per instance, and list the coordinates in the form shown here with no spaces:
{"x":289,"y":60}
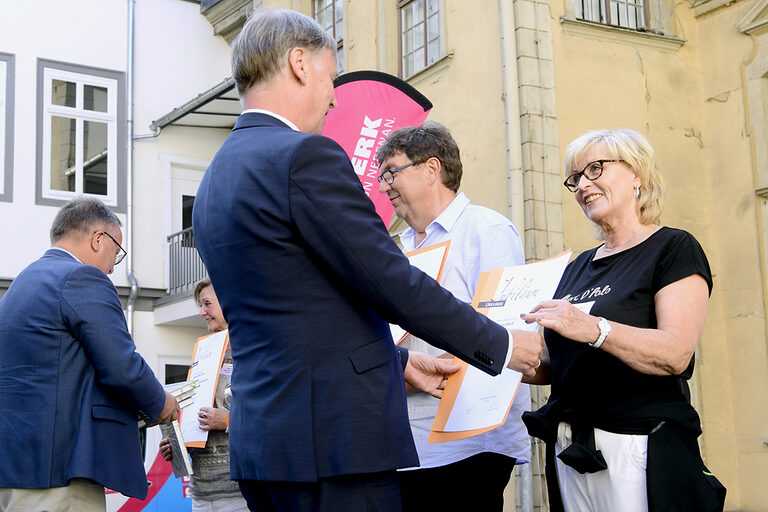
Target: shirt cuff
{"x":509,"y":350}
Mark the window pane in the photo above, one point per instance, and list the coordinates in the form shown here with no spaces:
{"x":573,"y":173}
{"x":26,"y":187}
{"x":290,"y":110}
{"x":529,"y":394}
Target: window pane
{"x":418,"y":11}
{"x":418,"y":36}
{"x":407,"y":17}
{"x":418,"y":59}
{"x":433,"y":27}
{"x":64,"y":93}
{"x":339,"y":24}
{"x":95,"y":98}
{"x":407,"y":65}
{"x":339,"y":9}
{"x":95,"y":157}
{"x":432,"y":6}
{"x":433,"y":52}
{"x":62,"y":153}
{"x":407,"y":42}
{"x":186,"y":211}
{"x":340,"y":60}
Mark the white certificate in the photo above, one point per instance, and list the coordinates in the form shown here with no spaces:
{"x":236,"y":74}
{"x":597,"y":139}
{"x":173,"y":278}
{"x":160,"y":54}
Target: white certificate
{"x":475,"y":402}
{"x":206,"y":362}
{"x":430,"y":260}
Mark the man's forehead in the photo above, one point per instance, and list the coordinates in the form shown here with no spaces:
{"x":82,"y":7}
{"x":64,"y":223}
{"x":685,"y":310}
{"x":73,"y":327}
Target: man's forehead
{"x":393,"y":159}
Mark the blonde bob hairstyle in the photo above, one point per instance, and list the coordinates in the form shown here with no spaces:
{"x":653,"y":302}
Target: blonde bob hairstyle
{"x":635,"y":150}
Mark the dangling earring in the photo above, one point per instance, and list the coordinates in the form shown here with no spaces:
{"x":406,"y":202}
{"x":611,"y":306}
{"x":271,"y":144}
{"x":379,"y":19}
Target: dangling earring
{"x":637,"y":192}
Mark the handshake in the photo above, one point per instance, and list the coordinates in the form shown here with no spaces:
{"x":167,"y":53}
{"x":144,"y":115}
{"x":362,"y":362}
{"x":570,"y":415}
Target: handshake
{"x":430,"y":374}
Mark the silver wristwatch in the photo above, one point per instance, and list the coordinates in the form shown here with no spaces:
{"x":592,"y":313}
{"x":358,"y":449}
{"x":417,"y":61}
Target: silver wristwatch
{"x":605,"y":328}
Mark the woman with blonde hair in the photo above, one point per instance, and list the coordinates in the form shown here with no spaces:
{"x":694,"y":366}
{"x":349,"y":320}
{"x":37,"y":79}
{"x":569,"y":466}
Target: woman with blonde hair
{"x":620,"y":337}
{"x":211,"y":487}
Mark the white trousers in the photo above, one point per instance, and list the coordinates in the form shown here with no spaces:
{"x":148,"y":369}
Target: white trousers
{"x":620,"y":487}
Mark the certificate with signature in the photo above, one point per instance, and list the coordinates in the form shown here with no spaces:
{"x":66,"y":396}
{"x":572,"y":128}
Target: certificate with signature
{"x":473,"y":401}
{"x":431,"y":261}
{"x":205,"y":367}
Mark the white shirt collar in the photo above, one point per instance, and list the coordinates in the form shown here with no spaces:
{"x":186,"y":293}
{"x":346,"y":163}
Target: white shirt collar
{"x":276,"y":116}
{"x":446,"y":219}
{"x":66,"y":251}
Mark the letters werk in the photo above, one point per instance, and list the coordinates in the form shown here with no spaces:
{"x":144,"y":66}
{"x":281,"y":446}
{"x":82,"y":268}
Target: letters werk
{"x":361,"y":157}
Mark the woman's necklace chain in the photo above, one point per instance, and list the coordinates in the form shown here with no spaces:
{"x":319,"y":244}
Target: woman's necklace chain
{"x":622,"y":244}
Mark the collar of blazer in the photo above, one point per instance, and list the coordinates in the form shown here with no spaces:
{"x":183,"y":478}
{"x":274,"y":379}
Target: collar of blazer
{"x":251,"y":119}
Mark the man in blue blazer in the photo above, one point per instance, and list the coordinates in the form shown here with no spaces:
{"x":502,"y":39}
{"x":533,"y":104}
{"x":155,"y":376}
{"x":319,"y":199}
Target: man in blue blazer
{"x":308,"y":278}
{"x":71,"y":382}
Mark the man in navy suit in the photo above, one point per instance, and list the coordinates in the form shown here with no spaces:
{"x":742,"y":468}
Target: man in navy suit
{"x":71,"y":382}
{"x":308,"y":278}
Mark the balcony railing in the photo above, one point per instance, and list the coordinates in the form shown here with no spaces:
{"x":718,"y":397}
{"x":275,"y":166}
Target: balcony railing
{"x":185,"y":266}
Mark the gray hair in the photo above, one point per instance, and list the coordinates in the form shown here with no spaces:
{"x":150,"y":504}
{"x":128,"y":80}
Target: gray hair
{"x":431,"y":139}
{"x":260,"y":49}
{"x":81,"y":215}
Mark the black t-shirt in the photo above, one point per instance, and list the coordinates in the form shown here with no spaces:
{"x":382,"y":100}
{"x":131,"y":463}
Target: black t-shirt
{"x":591,"y":386}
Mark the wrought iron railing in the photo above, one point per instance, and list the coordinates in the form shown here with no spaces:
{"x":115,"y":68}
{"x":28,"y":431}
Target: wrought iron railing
{"x":185,"y":266}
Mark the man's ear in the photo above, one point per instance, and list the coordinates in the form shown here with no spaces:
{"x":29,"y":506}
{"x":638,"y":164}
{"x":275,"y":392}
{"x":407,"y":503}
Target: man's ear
{"x":95,"y":241}
{"x":435,"y":167}
{"x":298,"y":60}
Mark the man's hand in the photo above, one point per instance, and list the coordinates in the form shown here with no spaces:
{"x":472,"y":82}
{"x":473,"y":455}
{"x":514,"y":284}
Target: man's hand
{"x":427,"y":373}
{"x":527,"y":351}
{"x":211,"y":418}
{"x":170,"y":411}
{"x":165,"y":449}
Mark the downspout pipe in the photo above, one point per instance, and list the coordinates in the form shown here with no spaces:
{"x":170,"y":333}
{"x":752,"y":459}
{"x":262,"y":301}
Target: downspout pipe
{"x":134,"y":293}
{"x":514,"y":160}
{"x":513,"y":136}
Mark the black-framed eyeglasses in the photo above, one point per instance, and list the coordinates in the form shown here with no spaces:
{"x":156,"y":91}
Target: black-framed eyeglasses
{"x":120,"y":256}
{"x":591,"y":171}
{"x":389,"y":175}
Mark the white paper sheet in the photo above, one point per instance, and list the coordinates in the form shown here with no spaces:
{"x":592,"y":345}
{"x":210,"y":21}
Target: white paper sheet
{"x":204,"y":370}
{"x":482,"y":400}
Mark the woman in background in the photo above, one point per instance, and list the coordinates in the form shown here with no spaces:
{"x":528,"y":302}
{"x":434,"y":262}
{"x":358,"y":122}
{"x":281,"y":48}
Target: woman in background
{"x":210,"y":485}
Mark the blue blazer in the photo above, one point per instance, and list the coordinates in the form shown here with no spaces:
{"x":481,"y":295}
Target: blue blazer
{"x":308,"y":278}
{"x":71,"y":382}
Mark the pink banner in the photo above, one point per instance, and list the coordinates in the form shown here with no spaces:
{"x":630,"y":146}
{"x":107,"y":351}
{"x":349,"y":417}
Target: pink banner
{"x":371,"y":105}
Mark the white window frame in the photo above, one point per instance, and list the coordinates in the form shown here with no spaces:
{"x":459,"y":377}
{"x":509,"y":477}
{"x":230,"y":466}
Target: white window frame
{"x":336,"y":29}
{"x":80,"y":115}
{"x":430,"y":57}
{"x":629,"y":14}
{"x":6,"y":126}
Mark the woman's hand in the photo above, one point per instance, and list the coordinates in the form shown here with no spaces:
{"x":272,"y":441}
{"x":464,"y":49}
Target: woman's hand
{"x":565,"y":319}
{"x":681,"y":310}
{"x":212,"y":418}
{"x":165,"y":449}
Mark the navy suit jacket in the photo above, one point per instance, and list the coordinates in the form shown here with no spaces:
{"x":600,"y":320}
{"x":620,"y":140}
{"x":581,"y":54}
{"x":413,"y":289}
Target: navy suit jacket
{"x":71,"y":383}
{"x":308,"y":278}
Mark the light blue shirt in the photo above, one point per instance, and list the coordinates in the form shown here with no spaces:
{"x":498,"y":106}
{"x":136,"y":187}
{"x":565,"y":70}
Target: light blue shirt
{"x":481,"y":240}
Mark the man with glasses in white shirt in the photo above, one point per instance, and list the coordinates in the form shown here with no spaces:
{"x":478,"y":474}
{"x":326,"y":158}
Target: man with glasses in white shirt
{"x":421,"y":175}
